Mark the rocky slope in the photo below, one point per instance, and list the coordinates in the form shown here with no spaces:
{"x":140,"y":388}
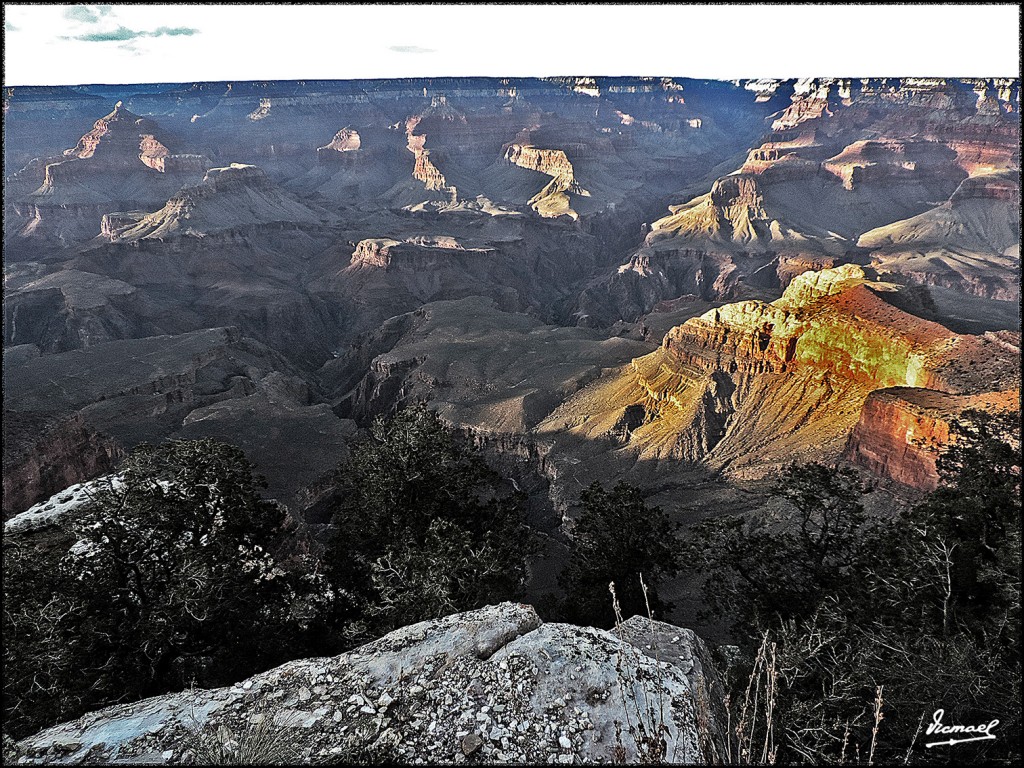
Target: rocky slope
{"x":42,"y":457}
{"x":227,"y":198}
{"x":970,"y":242}
{"x":275,"y":276}
{"x":843,"y":160}
{"x":504,"y":374}
{"x":681,"y":284}
{"x":66,"y":309}
{"x":91,"y":405}
{"x":751,"y":386}
{"x":495,"y":685}
{"x":498,"y":376}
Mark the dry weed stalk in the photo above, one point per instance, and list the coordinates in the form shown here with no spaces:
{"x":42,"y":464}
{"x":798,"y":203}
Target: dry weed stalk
{"x":878,"y":721}
{"x":758,"y":708}
{"x":647,"y":728}
{"x":705,"y":739}
{"x":913,"y":741}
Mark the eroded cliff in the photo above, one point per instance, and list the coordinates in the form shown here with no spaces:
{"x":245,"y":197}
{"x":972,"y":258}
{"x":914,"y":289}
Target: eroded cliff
{"x":750,"y":386}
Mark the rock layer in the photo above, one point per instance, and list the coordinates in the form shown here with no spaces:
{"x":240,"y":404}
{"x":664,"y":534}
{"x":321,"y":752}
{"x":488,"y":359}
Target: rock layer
{"x":235,"y":196}
{"x":40,"y":461}
{"x":751,"y":386}
{"x":971,"y":242}
{"x":902,"y":430}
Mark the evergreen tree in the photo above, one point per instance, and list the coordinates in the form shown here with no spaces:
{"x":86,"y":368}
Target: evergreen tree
{"x":424,"y":527}
{"x":169,"y":580}
{"x":617,"y":538}
{"x":778,"y":564}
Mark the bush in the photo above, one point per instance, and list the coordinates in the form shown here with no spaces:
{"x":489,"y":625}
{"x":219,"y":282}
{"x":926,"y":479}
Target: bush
{"x":425,"y":527}
{"x":766,"y":567}
{"x":170,"y":581}
{"x":616,"y":539}
{"x":908,"y":614}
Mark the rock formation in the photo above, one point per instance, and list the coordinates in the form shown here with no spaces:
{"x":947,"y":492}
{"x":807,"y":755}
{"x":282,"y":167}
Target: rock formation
{"x":971,"y":242}
{"x":554,"y":199}
{"x":424,"y":170}
{"x":345,"y":140}
{"x":74,"y":413}
{"x":524,"y":368}
{"x":753,"y":385}
{"x":119,"y":164}
{"x":496,"y":685}
{"x":682,"y":284}
{"x":42,"y":459}
{"x":67,"y":309}
{"x":227,"y":198}
{"x":120,"y":137}
{"x":901,"y":430}
{"x":844,"y":160}
{"x":413,"y":253}
{"x":358,"y":230}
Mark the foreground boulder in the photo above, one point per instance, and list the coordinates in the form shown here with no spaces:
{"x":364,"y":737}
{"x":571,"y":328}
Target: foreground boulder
{"x":492,"y":685}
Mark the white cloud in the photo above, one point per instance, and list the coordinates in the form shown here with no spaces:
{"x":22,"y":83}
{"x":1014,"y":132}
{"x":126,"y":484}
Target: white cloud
{"x":410,"y":49}
{"x":81,"y":13}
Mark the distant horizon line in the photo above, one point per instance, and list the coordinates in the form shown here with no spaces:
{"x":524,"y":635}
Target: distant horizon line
{"x":519,"y":78}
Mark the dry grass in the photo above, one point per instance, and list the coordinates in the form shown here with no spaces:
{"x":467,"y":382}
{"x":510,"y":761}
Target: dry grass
{"x":256,"y":741}
{"x":752,"y":741}
{"x":260,"y":743}
{"x":759,"y":730}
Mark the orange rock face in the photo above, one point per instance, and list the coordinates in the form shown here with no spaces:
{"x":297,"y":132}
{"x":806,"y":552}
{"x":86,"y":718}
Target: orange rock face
{"x":152,"y":152}
{"x":120,"y":136}
{"x":831,"y":320}
{"x":751,"y":386}
{"x":424,"y":169}
{"x":901,"y":431}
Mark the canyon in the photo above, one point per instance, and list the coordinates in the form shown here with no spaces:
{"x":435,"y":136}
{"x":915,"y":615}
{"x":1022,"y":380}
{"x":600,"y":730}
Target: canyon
{"x":684,"y":284}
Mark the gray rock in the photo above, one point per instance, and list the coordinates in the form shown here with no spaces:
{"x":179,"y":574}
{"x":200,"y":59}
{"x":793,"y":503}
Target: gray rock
{"x":471,"y":744}
{"x":499,"y":658}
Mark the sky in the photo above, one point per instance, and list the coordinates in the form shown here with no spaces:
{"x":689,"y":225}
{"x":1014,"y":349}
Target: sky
{"x":86,"y":44}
